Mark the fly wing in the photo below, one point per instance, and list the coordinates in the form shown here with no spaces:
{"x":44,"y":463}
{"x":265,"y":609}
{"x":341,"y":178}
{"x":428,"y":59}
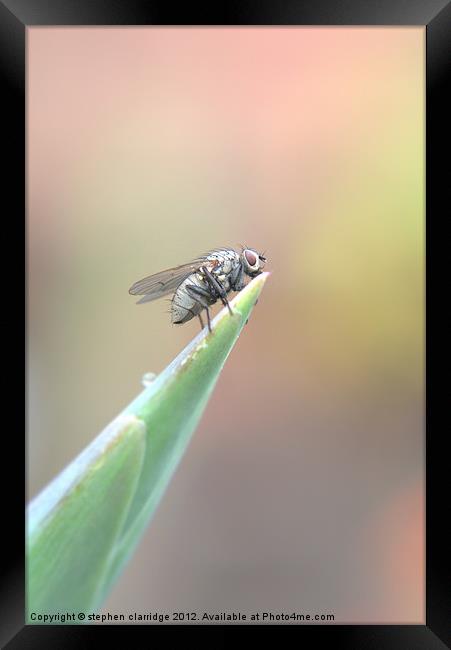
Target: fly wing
{"x":160,"y":284}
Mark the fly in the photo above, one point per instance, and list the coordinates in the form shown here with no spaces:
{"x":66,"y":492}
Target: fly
{"x":199,"y":284}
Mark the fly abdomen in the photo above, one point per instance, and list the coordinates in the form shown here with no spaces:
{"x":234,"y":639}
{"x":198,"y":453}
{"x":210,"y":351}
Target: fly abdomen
{"x":187,"y":303}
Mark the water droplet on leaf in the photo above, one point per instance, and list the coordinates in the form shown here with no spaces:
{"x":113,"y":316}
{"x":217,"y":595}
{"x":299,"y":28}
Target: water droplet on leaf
{"x":148,"y":378}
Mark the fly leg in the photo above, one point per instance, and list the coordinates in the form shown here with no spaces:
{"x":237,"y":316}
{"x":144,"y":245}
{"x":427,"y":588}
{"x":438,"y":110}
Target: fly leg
{"x":202,"y":296}
{"x":208,"y":319}
{"x":201,"y":322}
{"x":237,"y":279}
{"x":217,"y":288}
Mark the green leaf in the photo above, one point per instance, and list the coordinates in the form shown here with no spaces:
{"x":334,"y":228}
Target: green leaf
{"x":73,"y":524}
{"x":84,"y":527}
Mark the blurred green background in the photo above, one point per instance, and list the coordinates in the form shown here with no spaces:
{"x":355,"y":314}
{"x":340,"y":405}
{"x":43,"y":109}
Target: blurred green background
{"x":303,"y":488}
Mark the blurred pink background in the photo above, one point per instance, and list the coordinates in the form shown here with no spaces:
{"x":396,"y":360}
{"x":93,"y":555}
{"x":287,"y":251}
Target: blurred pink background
{"x":303,"y":487}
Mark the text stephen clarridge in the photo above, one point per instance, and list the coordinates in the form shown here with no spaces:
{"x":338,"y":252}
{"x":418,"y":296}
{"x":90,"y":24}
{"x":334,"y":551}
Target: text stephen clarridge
{"x":178,"y":616}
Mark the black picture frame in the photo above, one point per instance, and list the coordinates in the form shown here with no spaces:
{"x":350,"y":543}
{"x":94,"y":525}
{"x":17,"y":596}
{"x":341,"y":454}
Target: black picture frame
{"x":435,"y":15}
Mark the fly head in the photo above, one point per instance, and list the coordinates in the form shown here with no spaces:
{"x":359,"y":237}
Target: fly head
{"x":253,"y":262}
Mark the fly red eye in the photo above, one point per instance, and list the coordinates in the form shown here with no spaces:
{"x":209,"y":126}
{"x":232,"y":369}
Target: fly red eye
{"x":251,"y":258}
